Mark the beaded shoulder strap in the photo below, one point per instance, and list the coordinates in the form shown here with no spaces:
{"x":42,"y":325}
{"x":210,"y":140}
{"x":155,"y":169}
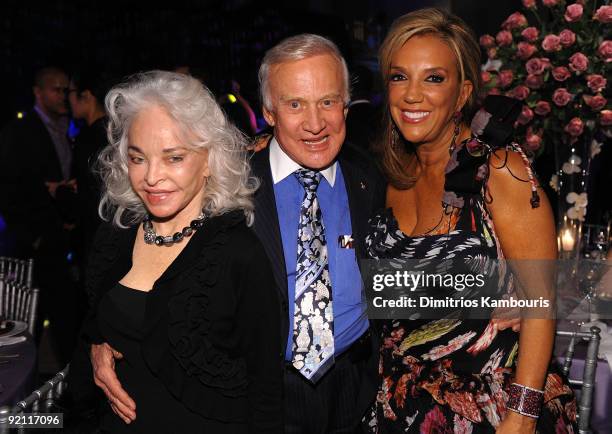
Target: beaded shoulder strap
{"x":535,"y":197}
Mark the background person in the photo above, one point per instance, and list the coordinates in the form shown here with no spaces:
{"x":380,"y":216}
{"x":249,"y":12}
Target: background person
{"x":35,"y":194}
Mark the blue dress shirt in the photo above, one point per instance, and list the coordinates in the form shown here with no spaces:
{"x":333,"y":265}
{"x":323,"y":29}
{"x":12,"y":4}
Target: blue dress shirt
{"x":350,"y":318}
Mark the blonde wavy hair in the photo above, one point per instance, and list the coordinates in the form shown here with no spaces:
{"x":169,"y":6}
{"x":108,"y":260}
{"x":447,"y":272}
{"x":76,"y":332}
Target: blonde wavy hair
{"x":461,"y":40}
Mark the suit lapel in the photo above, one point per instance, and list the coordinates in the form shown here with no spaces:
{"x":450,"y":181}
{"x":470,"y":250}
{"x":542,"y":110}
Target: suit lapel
{"x":359,"y":198}
{"x":266,"y":224}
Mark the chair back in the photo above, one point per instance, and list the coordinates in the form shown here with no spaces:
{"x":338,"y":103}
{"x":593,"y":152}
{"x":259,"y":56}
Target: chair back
{"x":587,"y":382}
{"x":18,"y":270}
{"x":41,"y":400}
{"x":19,"y":302}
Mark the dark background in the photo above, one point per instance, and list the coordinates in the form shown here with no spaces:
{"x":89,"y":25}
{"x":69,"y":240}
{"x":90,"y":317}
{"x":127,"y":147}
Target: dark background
{"x":219,"y":40}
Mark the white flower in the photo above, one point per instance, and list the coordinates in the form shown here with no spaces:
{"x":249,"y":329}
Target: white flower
{"x":492,"y":65}
{"x":582,"y":200}
{"x":554,"y":182}
{"x":595,"y":147}
{"x":572,"y":165}
{"x":576,"y":213}
{"x":579,"y":200}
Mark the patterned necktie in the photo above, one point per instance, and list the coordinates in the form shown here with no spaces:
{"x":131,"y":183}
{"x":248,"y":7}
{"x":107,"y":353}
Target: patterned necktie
{"x":313,"y":320}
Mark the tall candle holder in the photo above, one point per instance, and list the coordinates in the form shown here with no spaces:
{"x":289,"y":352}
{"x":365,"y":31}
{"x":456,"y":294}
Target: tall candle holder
{"x":569,"y":239}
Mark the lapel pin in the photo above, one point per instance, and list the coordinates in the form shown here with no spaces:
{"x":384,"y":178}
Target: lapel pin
{"x":362,"y":185}
{"x":345,"y":241}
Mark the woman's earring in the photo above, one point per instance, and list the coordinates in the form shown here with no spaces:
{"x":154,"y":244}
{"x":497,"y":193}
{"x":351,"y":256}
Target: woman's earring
{"x":457,"y":122}
{"x":456,"y":132}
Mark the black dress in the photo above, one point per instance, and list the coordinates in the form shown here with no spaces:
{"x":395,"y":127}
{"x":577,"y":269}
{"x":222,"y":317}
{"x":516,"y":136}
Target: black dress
{"x":202,"y":348}
{"x":121,"y":313}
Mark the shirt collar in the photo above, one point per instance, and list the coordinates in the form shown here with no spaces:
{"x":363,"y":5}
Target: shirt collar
{"x":59,"y":124}
{"x":282,"y":165}
{"x":46,"y":119}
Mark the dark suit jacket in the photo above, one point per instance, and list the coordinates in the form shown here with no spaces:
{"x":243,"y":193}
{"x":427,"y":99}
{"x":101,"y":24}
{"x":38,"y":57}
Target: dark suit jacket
{"x":27,"y":160}
{"x":366,"y":194}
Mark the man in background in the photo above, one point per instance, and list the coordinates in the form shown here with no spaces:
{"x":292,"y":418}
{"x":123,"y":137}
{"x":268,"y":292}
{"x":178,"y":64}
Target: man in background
{"x":35,"y":165}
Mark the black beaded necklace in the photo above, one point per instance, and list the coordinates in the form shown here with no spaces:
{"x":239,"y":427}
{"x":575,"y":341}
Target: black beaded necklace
{"x":150,"y":237}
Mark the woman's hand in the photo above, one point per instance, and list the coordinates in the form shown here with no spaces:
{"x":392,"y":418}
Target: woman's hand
{"x":515,"y":423}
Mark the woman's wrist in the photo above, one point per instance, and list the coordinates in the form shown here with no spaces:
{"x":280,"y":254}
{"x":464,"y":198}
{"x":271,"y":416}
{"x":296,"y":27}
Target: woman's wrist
{"x":520,"y":420}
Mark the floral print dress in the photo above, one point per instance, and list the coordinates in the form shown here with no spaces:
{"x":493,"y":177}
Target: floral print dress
{"x":450,"y":375}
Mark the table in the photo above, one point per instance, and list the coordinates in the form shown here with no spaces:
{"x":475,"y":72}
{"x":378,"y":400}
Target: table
{"x":17,"y":377}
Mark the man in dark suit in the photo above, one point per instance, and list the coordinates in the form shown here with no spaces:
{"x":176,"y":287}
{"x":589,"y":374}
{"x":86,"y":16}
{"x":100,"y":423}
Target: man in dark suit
{"x":311,"y":213}
{"x":304,"y":85}
{"x":35,"y":161}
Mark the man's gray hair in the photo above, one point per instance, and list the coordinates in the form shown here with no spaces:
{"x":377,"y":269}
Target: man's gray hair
{"x":297,"y":48}
{"x":204,"y":127}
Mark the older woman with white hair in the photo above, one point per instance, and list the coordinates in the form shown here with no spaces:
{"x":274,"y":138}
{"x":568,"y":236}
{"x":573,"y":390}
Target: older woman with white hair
{"x":181,"y":289}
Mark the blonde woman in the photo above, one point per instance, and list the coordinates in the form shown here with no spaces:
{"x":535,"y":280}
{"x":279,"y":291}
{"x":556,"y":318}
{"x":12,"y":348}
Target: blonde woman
{"x":452,"y":197}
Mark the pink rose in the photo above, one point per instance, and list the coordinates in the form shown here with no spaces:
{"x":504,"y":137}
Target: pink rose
{"x":578,"y":62}
{"x":534,"y":81}
{"x":485,"y":76}
{"x":537,"y":65}
{"x":561,"y":73}
{"x":603,"y":14}
{"x":519,"y":92}
{"x":487,"y":41}
{"x":494,"y":91}
{"x":524,"y":50}
{"x":550,"y":3}
{"x":605,"y":50}
{"x":492,"y":53}
{"x":504,"y":38}
{"x":530,"y":34}
{"x":573,"y":13}
{"x":542,"y":108}
{"x":529,"y":4}
{"x":596,"y":102}
{"x":575,"y":127}
{"x":567,"y":37}
{"x":596,"y":82}
{"x":562,"y":97}
{"x":605,"y":117}
{"x":533,"y":139}
{"x":551,"y":43}
{"x":526,"y":116}
{"x":505,"y":77}
{"x":515,"y":21}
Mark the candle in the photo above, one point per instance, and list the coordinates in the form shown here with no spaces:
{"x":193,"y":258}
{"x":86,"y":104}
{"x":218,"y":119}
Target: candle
{"x":567,"y":240}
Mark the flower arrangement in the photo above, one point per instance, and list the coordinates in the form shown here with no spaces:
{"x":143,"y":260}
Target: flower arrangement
{"x":559,"y":69}
{"x":559,"y":66}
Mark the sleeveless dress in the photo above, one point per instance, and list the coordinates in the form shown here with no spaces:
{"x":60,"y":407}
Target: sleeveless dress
{"x":450,"y":375}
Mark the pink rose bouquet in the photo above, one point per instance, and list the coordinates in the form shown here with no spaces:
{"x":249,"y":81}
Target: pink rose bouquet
{"x":555,"y":56}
